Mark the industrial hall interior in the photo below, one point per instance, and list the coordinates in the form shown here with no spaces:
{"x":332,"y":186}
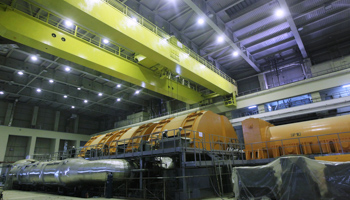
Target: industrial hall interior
{"x":175,"y":99}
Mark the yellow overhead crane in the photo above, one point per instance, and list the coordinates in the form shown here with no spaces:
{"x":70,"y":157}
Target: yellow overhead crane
{"x":129,"y":31}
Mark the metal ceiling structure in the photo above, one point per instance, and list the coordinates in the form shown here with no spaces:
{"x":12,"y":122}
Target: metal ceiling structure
{"x":315,"y":29}
{"x":61,"y":88}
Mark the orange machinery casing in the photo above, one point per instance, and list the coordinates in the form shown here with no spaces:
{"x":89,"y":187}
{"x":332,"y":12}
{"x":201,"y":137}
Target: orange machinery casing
{"x":203,"y":129}
{"x":309,"y":137}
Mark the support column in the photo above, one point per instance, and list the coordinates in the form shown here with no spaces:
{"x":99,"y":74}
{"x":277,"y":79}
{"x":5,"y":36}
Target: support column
{"x":187,"y":106}
{"x":57,"y":145}
{"x":76,"y":124}
{"x":77,"y":144}
{"x":261,"y":108}
{"x":262,"y":81}
{"x":3,"y":145}
{"x":8,"y":114}
{"x":35,"y":116}
{"x":31,"y":147}
{"x":168,"y":107}
{"x":57,"y":120}
{"x":307,"y":67}
{"x":315,"y":97}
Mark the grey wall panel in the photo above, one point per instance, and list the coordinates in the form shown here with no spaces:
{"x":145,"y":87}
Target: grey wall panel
{"x":16,"y":148}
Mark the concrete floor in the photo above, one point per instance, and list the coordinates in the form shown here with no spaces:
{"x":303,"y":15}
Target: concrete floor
{"x":24,"y":195}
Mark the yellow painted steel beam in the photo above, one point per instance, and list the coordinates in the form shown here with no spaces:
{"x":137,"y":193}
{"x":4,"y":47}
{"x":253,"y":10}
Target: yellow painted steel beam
{"x":36,"y":33}
{"x":115,"y":21}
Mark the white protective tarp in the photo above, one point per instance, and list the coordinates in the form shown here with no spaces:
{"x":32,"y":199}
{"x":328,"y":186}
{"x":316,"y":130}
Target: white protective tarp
{"x":293,"y":177}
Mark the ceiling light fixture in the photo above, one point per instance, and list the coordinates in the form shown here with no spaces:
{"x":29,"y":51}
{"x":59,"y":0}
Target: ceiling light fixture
{"x":65,"y":96}
{"x":2,"y":92}
{"x":34,"y":58}
{"x":105,"y":41}
{"x":235,"y":53}
{"x":346,"y":86}
{"x":251,"y":107}
{"x":279,"y":13}
{"x":38,"y":90}
{"x":100,"y":94}
{"x":73,"y":107}
{"x":220,"y":39}
{"x":118,"y":99}
{"x":86,"y":101}
{"x":78,"y":88}
{"x":200,"y":21}
{"x":20,"y":73}
{"x":67,"y":69}
{"x":137,"y":91}
{"x":51,"y":81}
{"x":118,"y":86}
{"x":68,"y":23}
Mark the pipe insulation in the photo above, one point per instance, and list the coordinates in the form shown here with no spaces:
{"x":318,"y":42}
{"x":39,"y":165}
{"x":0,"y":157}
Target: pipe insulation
{"x":69,"y":172}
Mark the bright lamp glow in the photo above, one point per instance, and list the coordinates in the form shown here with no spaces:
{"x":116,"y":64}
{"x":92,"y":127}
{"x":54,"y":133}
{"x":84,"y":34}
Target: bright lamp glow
{"x":251,"y":107}
{"x":73,"y":107}
{"x":200,"y":21}
{"x":1,"y":92}
{"x":118,"y":86}
{"x":67,"y":69}
{"x":38,"y":90}
{"x":78,"y":88}
{"x":51,"y":81}
{"x":68,"y":23}
{"x":346,"y":86}
{"x":118,"y":99}
{"x":105,"y":41}
{"x":100,"y":94}
{"x":235,"y":53}
{"x":279,"y":13}
{"x":137,"y":91}
{"x":65,"y":96}
{"x":86,"y":101}
{"x":20,"y":73}
{"x":34,"y":58}
{"x":220,"y":39}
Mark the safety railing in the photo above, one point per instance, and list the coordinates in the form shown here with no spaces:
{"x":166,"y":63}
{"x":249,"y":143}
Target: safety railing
{"x":179,"y":141}
{"x":170,"y":139}
{"x":156,"y":144}
{"x":85,"y":35}
{"x":97,"y":40}
{"x":161,"y":33}
{"x":316,"y":145}
{"x":74,"y":30}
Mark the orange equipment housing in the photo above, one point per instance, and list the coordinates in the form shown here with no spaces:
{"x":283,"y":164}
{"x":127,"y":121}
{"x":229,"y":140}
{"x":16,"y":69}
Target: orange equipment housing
{"x":263,"y":140}
{"x":202,"y":129}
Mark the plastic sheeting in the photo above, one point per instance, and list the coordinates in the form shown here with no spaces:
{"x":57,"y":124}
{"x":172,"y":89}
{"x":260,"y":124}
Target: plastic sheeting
{"x":293,"y":177}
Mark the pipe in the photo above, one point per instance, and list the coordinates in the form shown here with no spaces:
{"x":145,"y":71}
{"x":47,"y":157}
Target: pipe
{"x":69,"y":172}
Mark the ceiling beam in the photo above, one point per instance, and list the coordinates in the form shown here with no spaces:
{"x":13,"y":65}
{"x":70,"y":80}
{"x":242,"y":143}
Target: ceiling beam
{"x":222,"y":33}
{"x":68,"y":106}
{"x":293,"y":27}
{"x":229,"y":6}
{"x":90,"y":74}
{"x":184,"y":12}
{"x":75,"y":98}
{"x":215,"y":51}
